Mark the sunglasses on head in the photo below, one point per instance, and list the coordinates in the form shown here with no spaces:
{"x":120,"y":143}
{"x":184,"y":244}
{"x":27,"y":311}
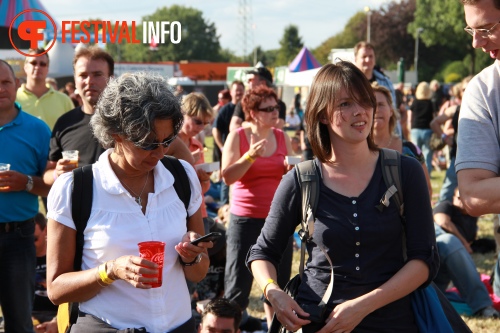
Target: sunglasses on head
{"x":270,"y":108}
{"x":36,"y":63}
{"x":152,"y":146}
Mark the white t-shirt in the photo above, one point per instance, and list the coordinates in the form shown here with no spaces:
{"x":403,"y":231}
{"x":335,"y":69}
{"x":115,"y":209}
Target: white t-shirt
{"x":478,"y":143}
{"x":115,"y":226}
{"x":292,"y":121}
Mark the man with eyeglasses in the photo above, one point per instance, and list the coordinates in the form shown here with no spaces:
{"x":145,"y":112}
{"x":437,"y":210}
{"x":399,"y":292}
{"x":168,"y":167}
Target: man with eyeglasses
{"x":478,"y":154}
{"x":36,"y":96}
{"x":93,"y":68}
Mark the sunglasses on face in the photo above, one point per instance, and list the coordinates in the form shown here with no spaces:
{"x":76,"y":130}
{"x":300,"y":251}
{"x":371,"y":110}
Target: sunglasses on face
{"x":270,"y":108}
{"x":36,"y":63}
{"x":199,"y":122}
{"x":152,"y":146}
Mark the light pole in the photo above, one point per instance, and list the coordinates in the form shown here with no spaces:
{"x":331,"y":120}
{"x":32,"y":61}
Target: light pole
{"x":368,"y":26}
{"x":419,"y":31}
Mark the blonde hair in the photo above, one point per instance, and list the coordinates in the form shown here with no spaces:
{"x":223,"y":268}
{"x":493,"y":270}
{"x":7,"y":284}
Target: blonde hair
{"x":195,"y":104}
{"x":387,"y":94}
{"x":423,"y":91}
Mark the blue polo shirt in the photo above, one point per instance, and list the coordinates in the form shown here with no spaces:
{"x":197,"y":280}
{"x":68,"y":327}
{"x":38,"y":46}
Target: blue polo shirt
{"x":24,"y":144}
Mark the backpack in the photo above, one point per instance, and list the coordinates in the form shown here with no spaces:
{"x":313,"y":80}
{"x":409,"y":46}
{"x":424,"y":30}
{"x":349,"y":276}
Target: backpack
{"x":81,"y":200}
{"x":309,"y":183}
{"x":391,"y":170}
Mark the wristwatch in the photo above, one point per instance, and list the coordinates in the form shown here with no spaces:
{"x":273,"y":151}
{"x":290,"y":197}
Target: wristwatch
{"x":192,"y":263}
{"x":29,"y":184}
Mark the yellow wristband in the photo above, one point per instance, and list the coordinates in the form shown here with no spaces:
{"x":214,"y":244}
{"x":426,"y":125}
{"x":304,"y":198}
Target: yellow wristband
{"x":104,"y":275}
{"x":248,"y":157}
{"x":268,"y":282}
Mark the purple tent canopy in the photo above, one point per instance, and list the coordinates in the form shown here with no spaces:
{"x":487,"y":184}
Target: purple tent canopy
{"x":304,"y":61}
{"x":10,"y":8}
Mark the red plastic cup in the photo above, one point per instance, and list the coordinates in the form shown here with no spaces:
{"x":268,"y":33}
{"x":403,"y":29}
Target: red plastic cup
{"x":153,"y":251}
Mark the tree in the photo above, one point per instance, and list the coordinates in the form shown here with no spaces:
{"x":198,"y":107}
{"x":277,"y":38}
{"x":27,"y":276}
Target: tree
{"x":290,"y":45}
{"x":199,"y":39}
{"x":345,"y":39}
{"x":443,"y":27}
{"x":389,"y":33}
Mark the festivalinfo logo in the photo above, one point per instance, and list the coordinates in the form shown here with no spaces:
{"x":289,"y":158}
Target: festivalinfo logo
{"x":153,"y":32}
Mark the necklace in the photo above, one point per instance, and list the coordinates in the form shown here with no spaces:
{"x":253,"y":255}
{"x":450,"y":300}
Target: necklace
{"x":390,"y":141}
{"x":137,"y":198}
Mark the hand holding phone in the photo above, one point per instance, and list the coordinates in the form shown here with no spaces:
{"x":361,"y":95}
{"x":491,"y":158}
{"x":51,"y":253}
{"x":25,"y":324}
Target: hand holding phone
{"x":213,"y":236}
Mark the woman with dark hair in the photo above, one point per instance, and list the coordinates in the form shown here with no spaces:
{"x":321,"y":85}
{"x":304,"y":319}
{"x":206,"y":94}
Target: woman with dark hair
{"x":253,"y":161}
{"x":136,"y":119}
{"x":372,"y":281}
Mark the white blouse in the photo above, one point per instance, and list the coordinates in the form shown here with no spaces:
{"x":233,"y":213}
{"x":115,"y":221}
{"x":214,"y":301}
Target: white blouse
{"x":115,"y":226}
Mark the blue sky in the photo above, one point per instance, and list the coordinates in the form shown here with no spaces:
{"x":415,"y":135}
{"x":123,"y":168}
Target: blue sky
{"x":317,"y":19}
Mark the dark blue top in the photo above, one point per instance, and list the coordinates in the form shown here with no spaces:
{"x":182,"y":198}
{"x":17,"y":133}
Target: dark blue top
{"x":364,"y":244}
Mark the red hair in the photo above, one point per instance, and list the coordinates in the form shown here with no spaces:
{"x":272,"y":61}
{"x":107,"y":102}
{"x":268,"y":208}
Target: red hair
{"x":253,"y":98}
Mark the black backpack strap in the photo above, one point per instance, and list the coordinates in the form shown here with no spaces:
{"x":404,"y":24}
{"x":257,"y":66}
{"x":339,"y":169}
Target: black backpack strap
{"x":81,"y":203}
{"x":391,"y":170}
{"x":309,"y":184}
{"x":181,"y":184}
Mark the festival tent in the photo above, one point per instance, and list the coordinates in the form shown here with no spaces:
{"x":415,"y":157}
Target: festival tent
{"x":303,"y":61}
{"x":9,"y":9}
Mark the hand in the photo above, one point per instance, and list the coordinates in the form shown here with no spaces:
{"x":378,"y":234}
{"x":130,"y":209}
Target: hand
{"x":449,"y":140}
{"x":197,"y":154}
{"x":187,"y":251}
{"x":344,"y":318}
{"x":203,"y":175}
{"x":257,"y":149}
{"x":63,"y":166}
{"x":12,"y":181}
{"x":47,"y":327}
{"x":287,"y":309}
{"x":132,"y":270}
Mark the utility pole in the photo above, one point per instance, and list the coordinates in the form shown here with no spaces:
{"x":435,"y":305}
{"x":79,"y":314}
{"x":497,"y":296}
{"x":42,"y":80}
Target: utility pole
{"x":415,"y":63}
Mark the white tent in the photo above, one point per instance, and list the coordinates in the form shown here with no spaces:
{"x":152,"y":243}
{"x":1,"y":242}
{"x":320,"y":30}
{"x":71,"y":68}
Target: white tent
{"x":300,"y":79}
{"x":61,"y":60}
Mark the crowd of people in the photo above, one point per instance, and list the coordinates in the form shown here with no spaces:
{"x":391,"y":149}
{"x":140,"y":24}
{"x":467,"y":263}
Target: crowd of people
{"x":124,"y":126}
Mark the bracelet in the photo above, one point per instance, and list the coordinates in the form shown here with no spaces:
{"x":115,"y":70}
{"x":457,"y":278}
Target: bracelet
{"x":192,"y":263}
{"x":248,"y":157}
{"x":98,"y":279}
{"x":444,"y":136}
{"x":269,"y":281}
{"x":104,"y":275}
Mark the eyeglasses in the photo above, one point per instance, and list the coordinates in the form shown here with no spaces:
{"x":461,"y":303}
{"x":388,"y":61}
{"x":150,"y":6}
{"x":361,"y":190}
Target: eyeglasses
{"x":483,"y":33}
{"x":200,"y":122}
{"x":36,"y":63}
{"x":270,"y":108}
{"x":152,"y":146}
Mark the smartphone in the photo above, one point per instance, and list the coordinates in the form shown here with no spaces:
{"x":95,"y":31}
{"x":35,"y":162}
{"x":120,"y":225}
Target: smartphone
{"x":213,"y":236}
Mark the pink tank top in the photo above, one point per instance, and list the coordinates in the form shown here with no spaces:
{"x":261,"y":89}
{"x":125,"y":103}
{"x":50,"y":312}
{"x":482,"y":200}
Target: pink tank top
{"x":252,"y":194}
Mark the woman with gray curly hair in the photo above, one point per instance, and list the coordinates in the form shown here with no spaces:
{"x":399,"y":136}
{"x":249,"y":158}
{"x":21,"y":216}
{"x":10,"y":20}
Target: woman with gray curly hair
{"x":136,"y":119}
